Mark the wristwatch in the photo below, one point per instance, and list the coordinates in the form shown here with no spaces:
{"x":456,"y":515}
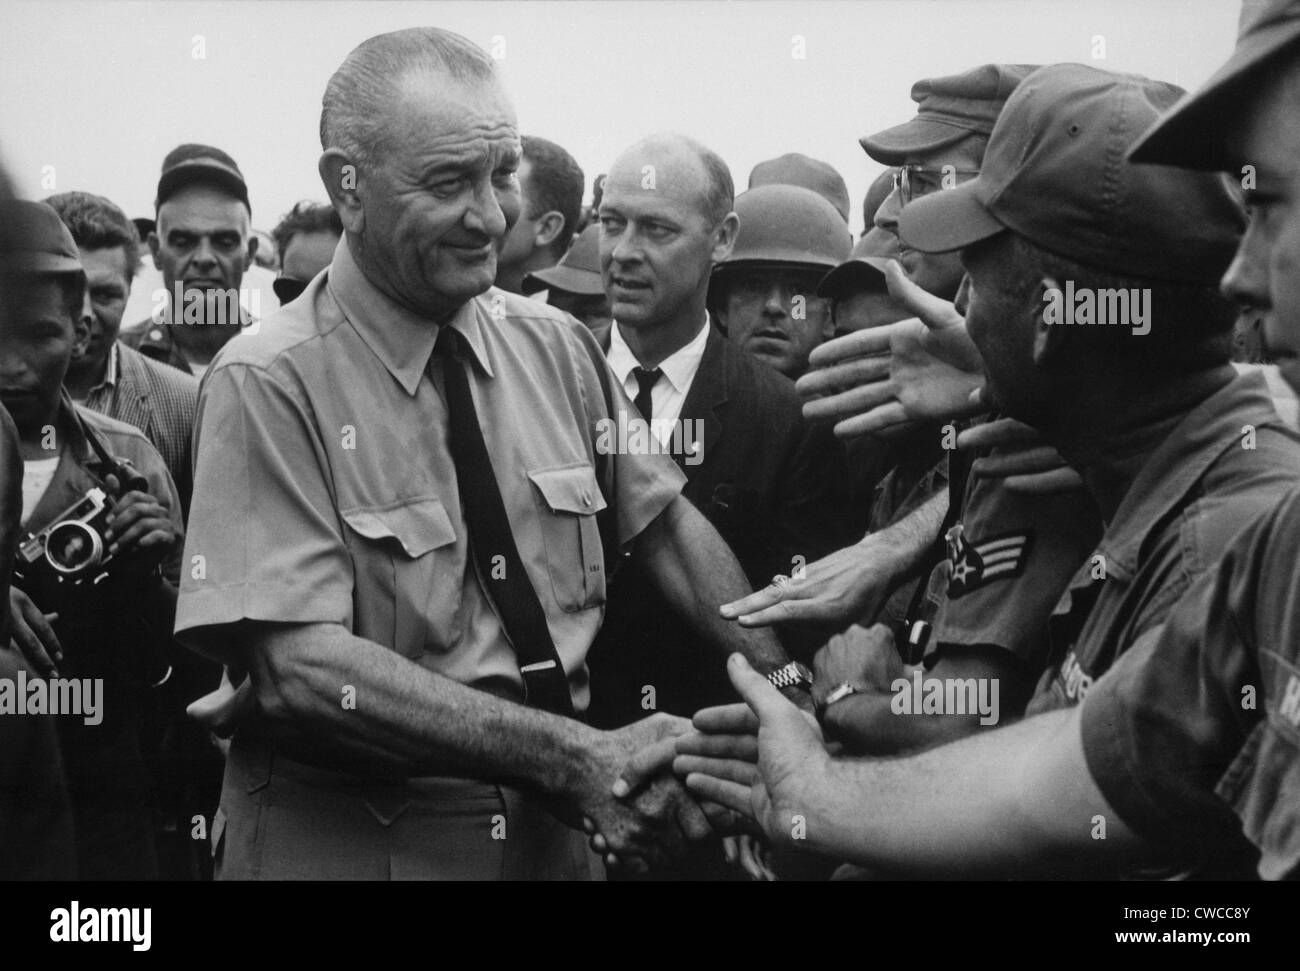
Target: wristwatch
{"x":792,"y":675}
{"x":839,"y":693}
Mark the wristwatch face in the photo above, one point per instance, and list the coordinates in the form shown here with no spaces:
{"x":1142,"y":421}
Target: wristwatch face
{"x":805,"y":676}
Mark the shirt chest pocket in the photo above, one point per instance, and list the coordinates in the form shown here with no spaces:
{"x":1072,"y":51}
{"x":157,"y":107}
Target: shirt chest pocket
{"x":567,"y":500}
{"x":408,"y":573}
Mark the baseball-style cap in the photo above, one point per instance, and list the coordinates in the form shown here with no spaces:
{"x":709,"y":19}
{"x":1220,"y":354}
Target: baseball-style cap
{"x":794,"y":168}
{"x":865,"y":267}
{"x":1193,"y":134}
{"x":33,"y":239}
{"x":578,"y":270}
{"x":949,"y":109}
{"x":1054,"y":172}
{"x":191,"y":163}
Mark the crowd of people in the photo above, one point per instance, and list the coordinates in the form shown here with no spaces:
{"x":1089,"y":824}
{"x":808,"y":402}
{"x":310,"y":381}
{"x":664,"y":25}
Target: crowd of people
{"x":673,"y":535}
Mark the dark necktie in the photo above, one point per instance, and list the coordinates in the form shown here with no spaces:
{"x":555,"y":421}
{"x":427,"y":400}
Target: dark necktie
{"x":645,"y":383}
{"x":545,"y":683}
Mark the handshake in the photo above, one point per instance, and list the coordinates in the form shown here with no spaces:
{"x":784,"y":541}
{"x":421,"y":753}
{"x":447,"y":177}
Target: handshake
{"x":678,"y":781}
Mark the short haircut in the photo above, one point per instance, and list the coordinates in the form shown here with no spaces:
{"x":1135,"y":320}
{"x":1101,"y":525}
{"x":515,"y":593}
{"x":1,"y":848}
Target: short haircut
{"x":720,"y":196}
{"x":305,"y":217}
{"x":1191,"y":324}
{"x":358,"y":97}
{"x":555,"y":183}
{"x":97,"y":223}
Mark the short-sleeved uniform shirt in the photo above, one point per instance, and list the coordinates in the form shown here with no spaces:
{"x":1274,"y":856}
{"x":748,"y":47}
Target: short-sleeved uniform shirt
{"x":1193,"y":736}
{"x":325,"y":491}
{"x":1010,"y":557}
{"x":1223,"y":467}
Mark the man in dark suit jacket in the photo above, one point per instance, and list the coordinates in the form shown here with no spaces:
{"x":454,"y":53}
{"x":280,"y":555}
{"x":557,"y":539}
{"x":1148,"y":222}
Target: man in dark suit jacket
{"x":767,"y":481}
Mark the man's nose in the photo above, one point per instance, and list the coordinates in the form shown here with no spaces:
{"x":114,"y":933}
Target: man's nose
{"x":1246,"y":281}
{"x":204,"y":255}
{"x":87,"y":308}
{"x":774,"y":304}
{"x":485,"y":214}
{"x":961,"y":302}
{"x":887,"y":215}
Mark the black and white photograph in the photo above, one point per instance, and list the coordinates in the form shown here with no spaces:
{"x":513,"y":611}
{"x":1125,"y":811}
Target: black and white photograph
{"x":783,"y":441}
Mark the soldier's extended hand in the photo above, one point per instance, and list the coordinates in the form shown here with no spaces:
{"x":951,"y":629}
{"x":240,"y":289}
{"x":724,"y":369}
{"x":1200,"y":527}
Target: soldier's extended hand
{"x":886,"y":378}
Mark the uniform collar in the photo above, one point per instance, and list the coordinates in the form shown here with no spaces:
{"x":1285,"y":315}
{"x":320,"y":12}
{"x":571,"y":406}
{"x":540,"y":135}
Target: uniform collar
{"x":400,"y":338}
{"x":1173,"y":469}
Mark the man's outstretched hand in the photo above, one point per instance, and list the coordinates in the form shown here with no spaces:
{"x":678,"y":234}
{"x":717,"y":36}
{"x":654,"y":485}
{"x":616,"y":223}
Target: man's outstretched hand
{"x":650,"y":826}
{"x":762,"y":758}
{"x":889,"y":378}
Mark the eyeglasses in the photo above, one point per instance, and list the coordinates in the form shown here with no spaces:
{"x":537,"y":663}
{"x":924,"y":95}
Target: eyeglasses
{"x":913,"y":181}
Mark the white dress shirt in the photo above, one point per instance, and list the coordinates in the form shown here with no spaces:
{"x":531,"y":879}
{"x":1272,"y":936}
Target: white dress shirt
{"x":669,"y":393}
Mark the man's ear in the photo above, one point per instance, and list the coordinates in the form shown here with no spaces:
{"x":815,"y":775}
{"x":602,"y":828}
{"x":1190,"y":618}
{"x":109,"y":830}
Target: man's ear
{"x":340,"y":176}
{"x":81,"y":330}
{"x":155,"y":244}
{"x":252,"y":251}
{"x":547,"y":228}
{"x":1048,"y":314}
{"x":724,"y":237}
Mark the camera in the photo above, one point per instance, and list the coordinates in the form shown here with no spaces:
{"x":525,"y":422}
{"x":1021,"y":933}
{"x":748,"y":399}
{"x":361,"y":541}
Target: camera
{"x":72,"y":546}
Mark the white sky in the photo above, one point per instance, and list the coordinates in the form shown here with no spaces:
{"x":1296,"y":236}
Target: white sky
{"x":101,"y":91}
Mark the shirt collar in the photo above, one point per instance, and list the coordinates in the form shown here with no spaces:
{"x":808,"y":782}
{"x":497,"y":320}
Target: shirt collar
{"x":402,"y":339}
{"x":678,"y":367}
{"x":1182,"y":459}
{"x":110,"y":370}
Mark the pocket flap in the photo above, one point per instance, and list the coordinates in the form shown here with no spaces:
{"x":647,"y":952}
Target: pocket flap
{"x":419,"y":525}
{"x":572,"y":489}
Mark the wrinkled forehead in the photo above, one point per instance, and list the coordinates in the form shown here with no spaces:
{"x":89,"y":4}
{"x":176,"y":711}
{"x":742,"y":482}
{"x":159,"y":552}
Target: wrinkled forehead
{"x":443,"y":122}
{"x":202,"y":209}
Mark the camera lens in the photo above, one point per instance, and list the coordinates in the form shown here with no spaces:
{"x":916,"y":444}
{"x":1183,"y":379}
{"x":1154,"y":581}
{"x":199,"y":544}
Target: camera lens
{"x":73,"y":547}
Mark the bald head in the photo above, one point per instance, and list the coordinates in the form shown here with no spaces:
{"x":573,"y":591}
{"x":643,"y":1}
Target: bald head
{"x":665,"y":220}
{"x":681,"y":167}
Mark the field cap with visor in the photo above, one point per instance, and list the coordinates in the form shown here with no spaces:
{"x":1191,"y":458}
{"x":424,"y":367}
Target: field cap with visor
{"x":192,"y":164}
{"x":1055,"y":173}
{"x":949,"y":109}
{"x":865,"y":267}
{"x":578,"y":270}
{"x":1194,"y":134}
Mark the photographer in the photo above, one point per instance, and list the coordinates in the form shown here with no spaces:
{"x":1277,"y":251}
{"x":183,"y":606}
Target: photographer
{"x":99,"y":607}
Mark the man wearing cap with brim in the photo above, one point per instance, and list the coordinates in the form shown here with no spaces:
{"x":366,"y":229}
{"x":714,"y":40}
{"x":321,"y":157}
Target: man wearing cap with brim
{"x":980,"y":625}
{"x":203,"y":244}
{"x":1201,"y":722}
{"x":941,"y":147}
{"x":1030,"y":797}
{"x":573,"y":285}
{"x":116,"y":630}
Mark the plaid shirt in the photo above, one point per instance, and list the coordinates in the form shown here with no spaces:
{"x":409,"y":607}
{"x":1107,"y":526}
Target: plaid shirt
{"x":158,"y":400}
